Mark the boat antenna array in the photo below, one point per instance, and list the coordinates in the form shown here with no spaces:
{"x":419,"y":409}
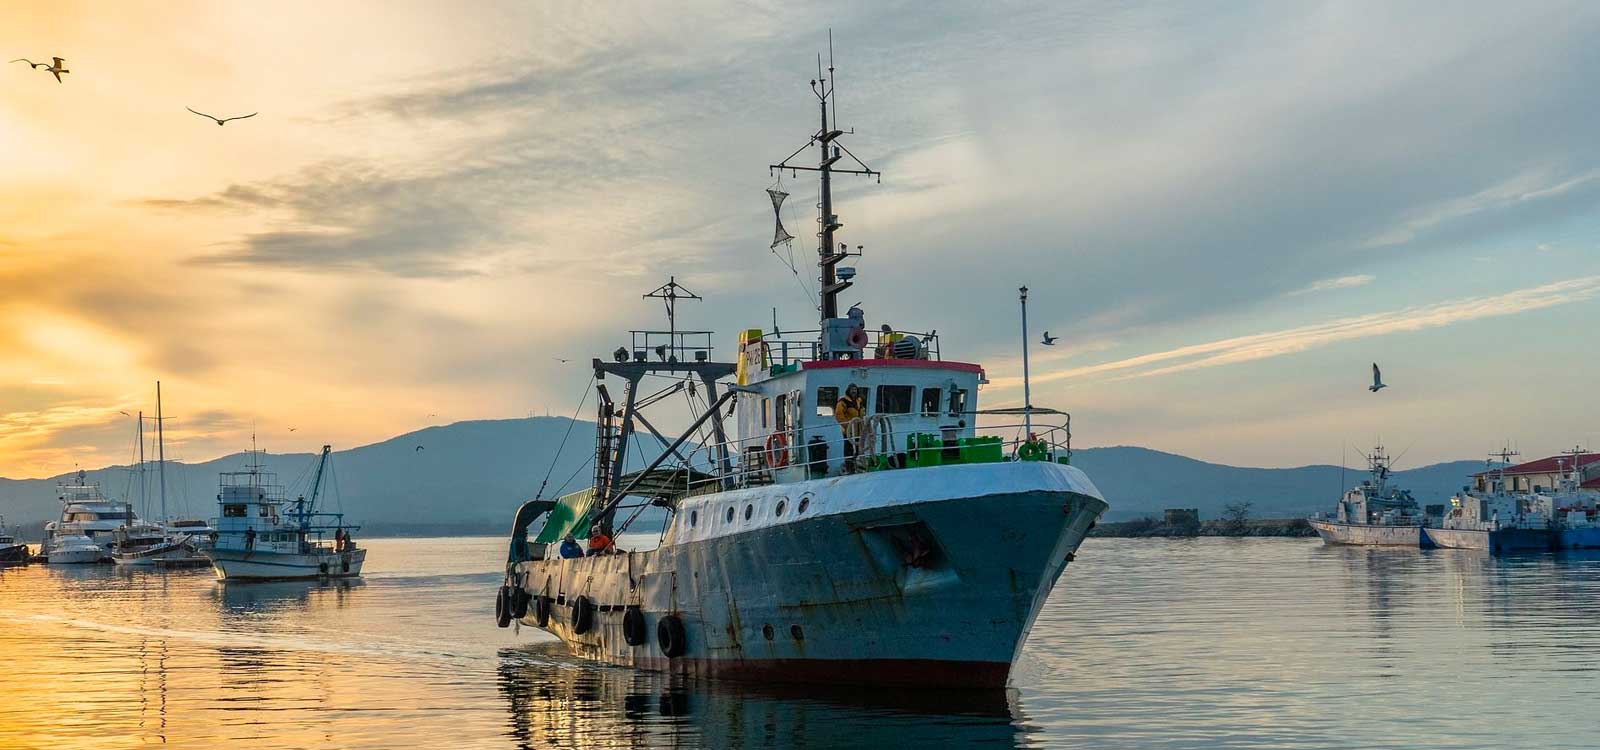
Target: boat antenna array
{"x":827,"y":138}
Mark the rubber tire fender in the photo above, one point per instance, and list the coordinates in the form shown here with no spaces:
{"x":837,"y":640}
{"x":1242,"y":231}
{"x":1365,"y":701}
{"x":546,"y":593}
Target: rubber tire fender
{"x":502,"y":608}
{"x":519,"y":603}
{"x":670,"y":636}
{"x":633,"y":630}
{"x":582,"y":615}
{"x":541,"y":610}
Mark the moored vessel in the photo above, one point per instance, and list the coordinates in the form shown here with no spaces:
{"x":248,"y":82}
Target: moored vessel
{"x":1493,"y":517}
{"x":857,"y":529}
{"x":1374,"y":513}
{"x":262,"y":536}
{"x":89,"y":519}
{"x":12,"y":549}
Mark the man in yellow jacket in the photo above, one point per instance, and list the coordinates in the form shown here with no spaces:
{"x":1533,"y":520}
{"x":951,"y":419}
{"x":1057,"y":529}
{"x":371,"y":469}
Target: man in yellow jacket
{"x":849,"y":411}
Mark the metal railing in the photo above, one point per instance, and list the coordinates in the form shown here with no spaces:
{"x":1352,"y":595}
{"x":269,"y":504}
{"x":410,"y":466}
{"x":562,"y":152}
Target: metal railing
{"x":876,"y":443}
{"x":789,"y":347}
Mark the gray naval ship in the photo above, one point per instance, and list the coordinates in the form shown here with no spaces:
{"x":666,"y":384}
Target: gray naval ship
{"x":1375,"y":512}
{"x":857,"y":527}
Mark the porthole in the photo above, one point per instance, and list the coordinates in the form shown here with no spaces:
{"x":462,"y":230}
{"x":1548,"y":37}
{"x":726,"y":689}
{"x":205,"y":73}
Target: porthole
{"x":749,"y":510}
{"x":694,"y":518}
{"x":766,"y":632}
{"x":778,"y":511}
{"x":730,"y":514}
{"x":796,"y":633}
{"x":805,"y":502}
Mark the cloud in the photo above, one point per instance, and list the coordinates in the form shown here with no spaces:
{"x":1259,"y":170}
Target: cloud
{"x":1340,"y":282}
{"x":1293,"y":340}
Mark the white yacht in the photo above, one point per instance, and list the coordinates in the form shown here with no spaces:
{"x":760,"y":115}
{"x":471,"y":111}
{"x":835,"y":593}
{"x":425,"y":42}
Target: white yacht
{"x":85,"y":512}
{"x":263,"y":536}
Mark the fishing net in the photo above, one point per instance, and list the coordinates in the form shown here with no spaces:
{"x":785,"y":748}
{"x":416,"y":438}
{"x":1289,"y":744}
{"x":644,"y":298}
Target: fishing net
{"x":779,"y":234}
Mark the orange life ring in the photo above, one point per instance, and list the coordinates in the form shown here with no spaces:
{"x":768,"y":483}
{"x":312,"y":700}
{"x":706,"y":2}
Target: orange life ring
{"x":777,"y":450}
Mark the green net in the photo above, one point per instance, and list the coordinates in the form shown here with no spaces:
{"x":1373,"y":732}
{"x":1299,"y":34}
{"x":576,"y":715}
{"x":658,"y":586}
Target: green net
{"x":570,"y":516}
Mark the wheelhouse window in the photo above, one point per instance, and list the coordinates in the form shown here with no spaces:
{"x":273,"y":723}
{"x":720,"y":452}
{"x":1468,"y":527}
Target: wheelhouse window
{"x":234,"y":511}
{"x":895,"y":399}
{"x":827,"y":396}
{"x":766,"y":412}
{"x":930,"y":400}
{"x":958,"y":401}
{"x":780,"y":413}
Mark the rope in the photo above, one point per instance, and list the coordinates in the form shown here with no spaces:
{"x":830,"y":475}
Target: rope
{"x":563,"y":445}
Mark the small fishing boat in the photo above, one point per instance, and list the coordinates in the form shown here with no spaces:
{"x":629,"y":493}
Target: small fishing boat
{"x":262,"y":536}
{"x":150,"y":545}
{"x":12,"y":549}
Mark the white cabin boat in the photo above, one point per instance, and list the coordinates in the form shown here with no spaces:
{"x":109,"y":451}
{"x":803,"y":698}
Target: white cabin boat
{"x":261,"y":536}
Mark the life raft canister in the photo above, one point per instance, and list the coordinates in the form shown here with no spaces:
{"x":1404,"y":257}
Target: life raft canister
{"x":633,"y":630}
{"x":582,"y":615}
{"x":670,"y":636}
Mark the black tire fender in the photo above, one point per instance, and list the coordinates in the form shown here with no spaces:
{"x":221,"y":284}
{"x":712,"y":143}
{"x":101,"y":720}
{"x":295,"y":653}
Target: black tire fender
{"x":502,"y":608}
{"x":541,"y":610}
{"x":670,"y":636}
{"x":582,"y":615}
{"x":519,"y":603}
{"x":633,"y":630}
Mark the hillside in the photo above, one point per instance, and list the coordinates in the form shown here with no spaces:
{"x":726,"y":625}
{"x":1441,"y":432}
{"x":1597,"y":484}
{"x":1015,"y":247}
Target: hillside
{"x":470,"y":477}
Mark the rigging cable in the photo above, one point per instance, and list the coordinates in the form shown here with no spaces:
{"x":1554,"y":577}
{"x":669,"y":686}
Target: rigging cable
{"x":563,"y":445}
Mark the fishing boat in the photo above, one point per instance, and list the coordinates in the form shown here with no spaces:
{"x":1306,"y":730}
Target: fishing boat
{"x":12,"y":549}
{"x":262,"y":536}
{"x":858,"y":528}
{"x":1375,"y":512}
{"x":1494,"y":517}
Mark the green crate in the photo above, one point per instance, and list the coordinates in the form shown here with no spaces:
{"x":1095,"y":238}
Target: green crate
{"x":981,"y":450}
{"x":923,"y":449}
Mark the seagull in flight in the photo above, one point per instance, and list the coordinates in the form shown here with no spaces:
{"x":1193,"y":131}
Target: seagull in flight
{"x":55,"y":66}
{"x":221,"y":120}
{"x":1377,"y":379}
{"x":418,"y":449}
{"x":562,"y":361}
{"x":291,"y":429}
{"x":1049,"y":340}
{"x":123,"y":413}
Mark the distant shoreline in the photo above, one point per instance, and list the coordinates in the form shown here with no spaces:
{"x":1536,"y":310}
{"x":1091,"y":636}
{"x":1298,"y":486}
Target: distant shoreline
{"x":1150,"y":528}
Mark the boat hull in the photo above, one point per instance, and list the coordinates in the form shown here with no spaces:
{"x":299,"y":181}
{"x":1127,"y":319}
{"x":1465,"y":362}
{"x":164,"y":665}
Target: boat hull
{"x":164,"y":554}
{"x":239,"y":565}
{"x":867,"y":589}
{"x":75,"y":557}
{"x":1333,"y":532}
{"x":1583,"y":538}
{"x":1499,"y":540}
{"x":15,"y":553}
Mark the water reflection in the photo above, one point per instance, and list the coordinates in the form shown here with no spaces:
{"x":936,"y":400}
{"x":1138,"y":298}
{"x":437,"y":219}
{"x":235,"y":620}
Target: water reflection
{"x":259,"y":597}
{"x":554,"y":700}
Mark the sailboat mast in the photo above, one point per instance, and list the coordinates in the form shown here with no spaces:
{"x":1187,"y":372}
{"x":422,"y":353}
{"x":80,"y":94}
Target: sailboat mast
{"x":161,"y":453}
{"x":144,"y":495}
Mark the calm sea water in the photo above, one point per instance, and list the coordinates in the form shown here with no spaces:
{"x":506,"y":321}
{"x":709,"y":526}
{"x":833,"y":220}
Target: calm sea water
{"x":1147,"y":643}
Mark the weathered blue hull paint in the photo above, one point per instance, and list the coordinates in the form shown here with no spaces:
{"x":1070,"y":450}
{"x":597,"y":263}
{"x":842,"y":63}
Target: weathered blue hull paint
{"x":1502,"y":540}
{"x":932,"y":594}
{"x":1333,"y":532}
{"x":1585,"y":538}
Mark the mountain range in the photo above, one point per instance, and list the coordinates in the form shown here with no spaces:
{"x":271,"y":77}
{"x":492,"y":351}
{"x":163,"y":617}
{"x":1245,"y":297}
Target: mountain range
{"x":469,"y":477}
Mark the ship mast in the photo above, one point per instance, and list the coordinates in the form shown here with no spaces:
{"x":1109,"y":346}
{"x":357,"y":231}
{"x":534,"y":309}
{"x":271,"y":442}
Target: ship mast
{"x":161,"y":454}
{"x":829,"y":255}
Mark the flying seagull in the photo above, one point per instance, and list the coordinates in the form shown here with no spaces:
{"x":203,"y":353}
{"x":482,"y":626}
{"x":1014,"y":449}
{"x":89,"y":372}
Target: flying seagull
{"x":291,"y":429}
{"x":1377,"y":379}
{"x":55,"y":67}
{"x":418,"y":449}
{"x":1049,"y":340}
{"x":562,"y":361}
{"x":123,"y":413}
{"x":224,"y":119}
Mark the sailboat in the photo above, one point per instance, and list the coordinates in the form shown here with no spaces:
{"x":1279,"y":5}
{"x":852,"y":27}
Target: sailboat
{"x":12,"y":549}
{"x":262,"y":536}
{"x":146,"y":544}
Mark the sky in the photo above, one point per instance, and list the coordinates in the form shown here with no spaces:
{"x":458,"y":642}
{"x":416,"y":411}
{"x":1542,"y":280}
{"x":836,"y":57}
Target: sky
{"x":1225,"y":211}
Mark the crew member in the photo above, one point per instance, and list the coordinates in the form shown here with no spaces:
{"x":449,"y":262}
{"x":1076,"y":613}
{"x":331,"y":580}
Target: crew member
{"x":600,"y":544}
{"x":887,"y":338}
{"x":570,"y":548}
{"x":249,"y":539}
{"x":849,"y":410}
